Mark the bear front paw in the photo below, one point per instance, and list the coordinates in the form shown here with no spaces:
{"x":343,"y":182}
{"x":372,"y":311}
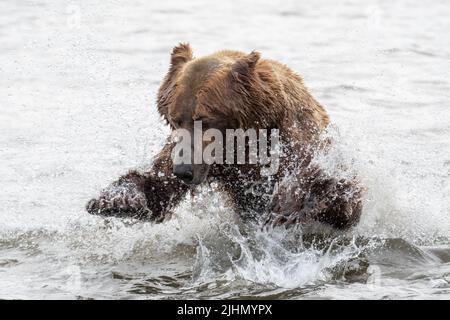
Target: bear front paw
{"x":121,"y":202}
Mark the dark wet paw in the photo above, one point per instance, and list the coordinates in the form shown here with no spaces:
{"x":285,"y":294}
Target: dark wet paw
{"x":120,"y":204}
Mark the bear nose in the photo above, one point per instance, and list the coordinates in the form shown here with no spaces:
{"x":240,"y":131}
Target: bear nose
{"x":184,"y":172}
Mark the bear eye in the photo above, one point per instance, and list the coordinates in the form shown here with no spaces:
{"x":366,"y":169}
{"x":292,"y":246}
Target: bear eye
{"x":177,"y":122}
{"x":205,"y":122}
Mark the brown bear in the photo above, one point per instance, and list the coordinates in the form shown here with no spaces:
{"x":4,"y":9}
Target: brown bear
{"x":234,"y":90}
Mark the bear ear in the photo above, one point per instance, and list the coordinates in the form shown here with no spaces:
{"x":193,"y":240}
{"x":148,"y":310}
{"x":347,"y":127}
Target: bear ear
{"x":181,"y":54}
{"x":243,"y":69}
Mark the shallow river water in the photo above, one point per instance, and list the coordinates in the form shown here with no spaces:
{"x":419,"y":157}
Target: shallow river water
{"x":77,"y":97}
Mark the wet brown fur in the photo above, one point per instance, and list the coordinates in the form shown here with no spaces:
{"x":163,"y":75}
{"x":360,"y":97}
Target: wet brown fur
{"x":231,"y":89}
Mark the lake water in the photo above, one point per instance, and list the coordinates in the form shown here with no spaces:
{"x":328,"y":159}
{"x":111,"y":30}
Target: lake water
{"x":77,"y":95}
